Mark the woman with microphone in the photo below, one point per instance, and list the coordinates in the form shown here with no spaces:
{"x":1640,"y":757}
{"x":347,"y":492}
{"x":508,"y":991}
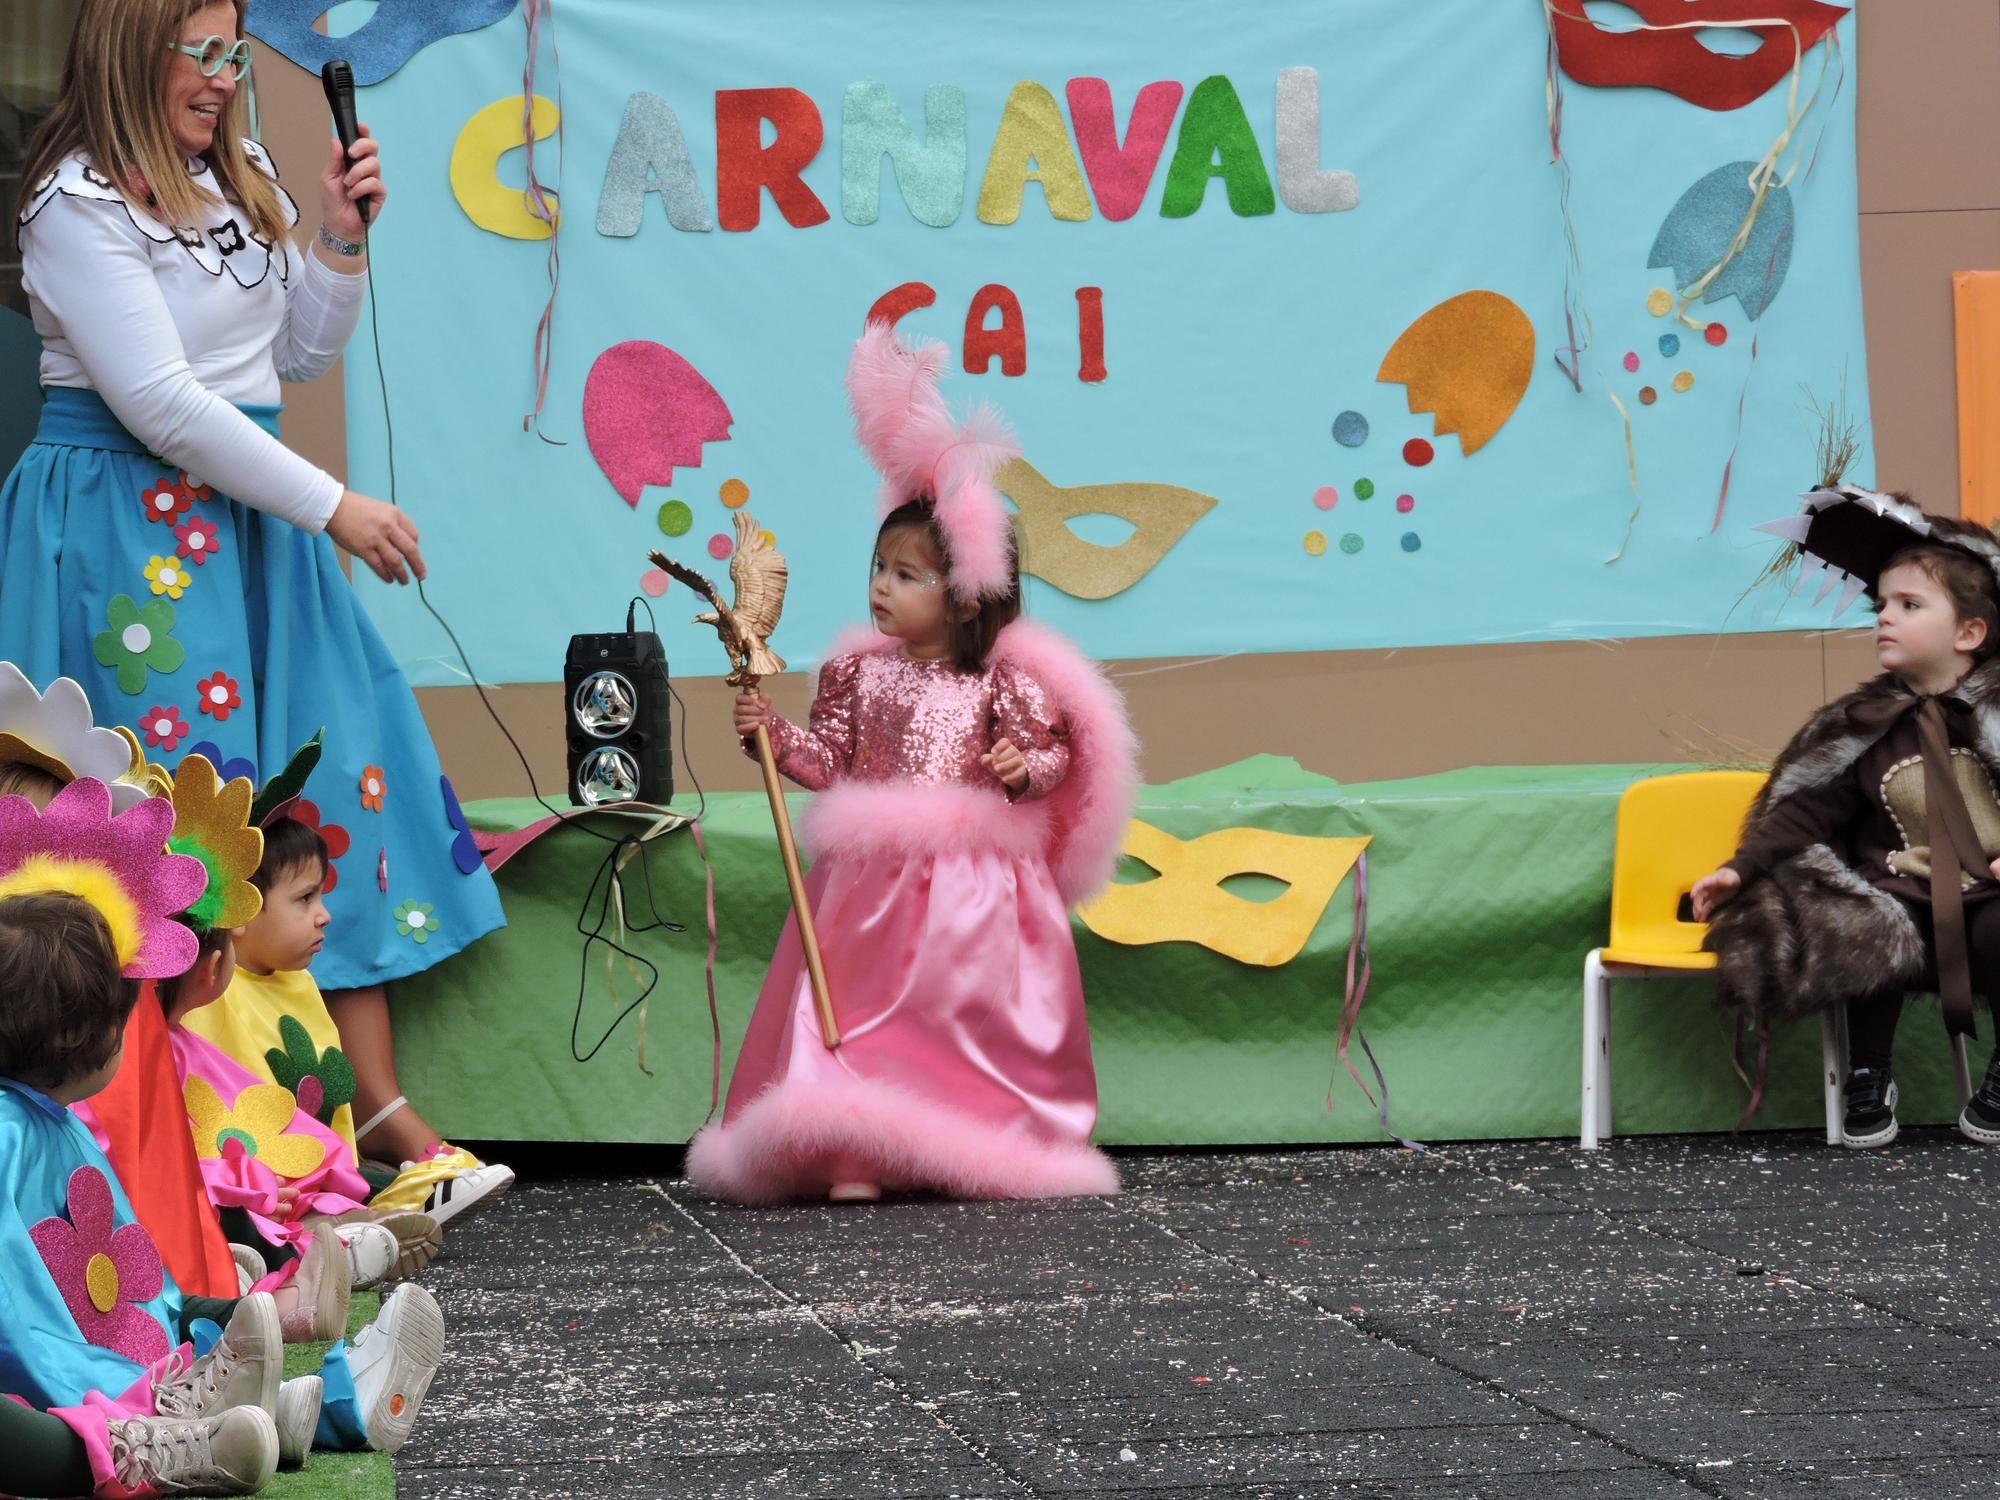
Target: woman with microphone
{"x":160,"y":544}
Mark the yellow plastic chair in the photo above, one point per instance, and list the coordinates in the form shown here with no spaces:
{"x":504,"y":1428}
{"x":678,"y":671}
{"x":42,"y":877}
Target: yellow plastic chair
{"x":1672,"y":830}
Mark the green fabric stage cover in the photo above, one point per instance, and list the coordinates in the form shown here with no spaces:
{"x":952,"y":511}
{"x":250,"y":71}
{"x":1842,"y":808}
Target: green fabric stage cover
{"x":1486,"y":888}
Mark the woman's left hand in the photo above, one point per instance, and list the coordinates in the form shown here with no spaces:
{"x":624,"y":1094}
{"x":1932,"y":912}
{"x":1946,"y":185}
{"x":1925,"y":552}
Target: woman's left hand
{"x":1006,"y":762}
{"x":348,"y":181}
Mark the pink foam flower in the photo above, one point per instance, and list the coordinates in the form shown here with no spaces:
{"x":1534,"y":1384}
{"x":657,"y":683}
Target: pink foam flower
{"x":104,"y":1270}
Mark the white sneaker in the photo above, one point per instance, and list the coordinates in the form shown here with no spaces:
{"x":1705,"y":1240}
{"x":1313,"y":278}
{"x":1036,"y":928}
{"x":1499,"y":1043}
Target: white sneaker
{"x":393,"y":1360}
{"x":243,"y":1369}
{"x":250,"y":1267}
{"x":474,"y":1186}
{"x":234,"y":1453}
{"x":298,"y":1418}
{"x":372,"y":1253}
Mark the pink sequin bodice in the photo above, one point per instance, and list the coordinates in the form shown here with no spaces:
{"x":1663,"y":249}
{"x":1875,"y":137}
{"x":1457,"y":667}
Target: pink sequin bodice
{"x":883,"y":717}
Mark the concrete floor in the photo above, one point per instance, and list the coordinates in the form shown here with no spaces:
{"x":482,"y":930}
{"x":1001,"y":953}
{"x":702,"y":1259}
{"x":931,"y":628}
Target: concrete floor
{"x":1668,"y":1317}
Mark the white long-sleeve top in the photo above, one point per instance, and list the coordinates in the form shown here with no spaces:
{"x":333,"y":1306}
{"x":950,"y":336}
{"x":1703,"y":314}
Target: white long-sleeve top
{"x":174,"y":327}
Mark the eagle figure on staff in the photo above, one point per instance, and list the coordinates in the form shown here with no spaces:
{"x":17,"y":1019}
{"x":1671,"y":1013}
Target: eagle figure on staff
{"x":757,"y":572}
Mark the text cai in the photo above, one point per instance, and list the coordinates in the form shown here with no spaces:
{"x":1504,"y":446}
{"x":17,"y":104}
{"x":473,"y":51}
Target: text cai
{"x":1085,"y":164}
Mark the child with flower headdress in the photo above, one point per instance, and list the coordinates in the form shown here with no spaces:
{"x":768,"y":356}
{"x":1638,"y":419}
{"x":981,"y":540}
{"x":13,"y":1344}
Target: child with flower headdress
{"x":92,"y":1327}
{"x":47,"y":740}
{"x":271,"y":1019}
{"x":975,"y":776}
{"x":1870,"y":863}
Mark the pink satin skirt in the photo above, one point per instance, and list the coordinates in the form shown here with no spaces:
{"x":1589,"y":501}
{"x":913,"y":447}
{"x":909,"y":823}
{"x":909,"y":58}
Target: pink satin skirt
{"x":964,"y":1064}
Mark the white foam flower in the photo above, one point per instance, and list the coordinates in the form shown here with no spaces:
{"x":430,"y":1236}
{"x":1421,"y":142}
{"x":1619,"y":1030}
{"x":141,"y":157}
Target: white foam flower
{"x":56,"y":727}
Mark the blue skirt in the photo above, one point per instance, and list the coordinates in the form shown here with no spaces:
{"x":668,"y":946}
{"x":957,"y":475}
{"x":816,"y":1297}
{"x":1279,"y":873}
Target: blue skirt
{"x":201,"y":624}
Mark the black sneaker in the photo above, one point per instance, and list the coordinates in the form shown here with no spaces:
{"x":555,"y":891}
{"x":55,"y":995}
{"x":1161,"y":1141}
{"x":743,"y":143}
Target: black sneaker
{"x":1980,"y":1119}
{"x":1871,"y":1109}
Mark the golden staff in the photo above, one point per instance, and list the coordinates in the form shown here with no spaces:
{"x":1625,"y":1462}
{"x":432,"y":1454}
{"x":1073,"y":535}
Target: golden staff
{"x":757,"y":572}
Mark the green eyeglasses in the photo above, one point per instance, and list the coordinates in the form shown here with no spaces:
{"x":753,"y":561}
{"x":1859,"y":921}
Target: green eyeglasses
{"x":215,"y":54}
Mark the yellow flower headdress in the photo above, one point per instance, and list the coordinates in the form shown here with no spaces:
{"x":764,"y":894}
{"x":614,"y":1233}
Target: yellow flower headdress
{"x":212,"y":823}
{"x":53,"y":732}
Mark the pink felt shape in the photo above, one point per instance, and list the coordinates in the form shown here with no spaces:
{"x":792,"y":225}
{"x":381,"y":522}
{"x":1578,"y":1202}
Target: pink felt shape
{"x":647,"y":410}
{"x":1120,"y":175}
{"x":68,"y":1246}
{"x":910,"y":435}
{"x":78,"y":828}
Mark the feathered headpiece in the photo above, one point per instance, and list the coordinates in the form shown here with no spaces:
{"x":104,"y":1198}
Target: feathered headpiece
{"x":53,"y":732}
{"x":921,"y":449}
{"x":212,"y":823}
{"x":117,"y":862}
{"x":1848,"y":535}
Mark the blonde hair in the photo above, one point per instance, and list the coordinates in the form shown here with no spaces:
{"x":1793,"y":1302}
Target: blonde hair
{"x":109,"y":108}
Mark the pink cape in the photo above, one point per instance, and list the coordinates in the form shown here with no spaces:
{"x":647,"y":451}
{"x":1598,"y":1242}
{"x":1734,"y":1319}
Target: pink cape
{"x":944,"y":925}
{"x":238,"y":1180}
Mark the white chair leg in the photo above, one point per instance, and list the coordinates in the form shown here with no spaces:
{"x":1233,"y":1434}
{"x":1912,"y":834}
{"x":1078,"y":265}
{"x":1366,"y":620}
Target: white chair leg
{"x":1595,"y":1122}
{"x":1833,"y":1068}
{"x":1964,"y":1071}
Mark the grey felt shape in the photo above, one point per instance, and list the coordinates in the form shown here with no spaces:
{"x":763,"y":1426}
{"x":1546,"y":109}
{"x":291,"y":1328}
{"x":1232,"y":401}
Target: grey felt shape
{"x":650,"y":155}
{"x":1700,"y":226}
{"x":930,"y":174}
{"x":1303,"y":186}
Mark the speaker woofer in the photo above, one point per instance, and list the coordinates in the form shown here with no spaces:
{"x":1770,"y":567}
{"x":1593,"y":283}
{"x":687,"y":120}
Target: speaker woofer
{"x":608,"y":774}
{"x":604,"y":705}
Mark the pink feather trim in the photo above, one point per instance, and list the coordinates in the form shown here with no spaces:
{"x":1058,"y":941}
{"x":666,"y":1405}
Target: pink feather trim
{"x":857,"y":819}
{"x":792,"y":1141}
{"x":909,"y":434}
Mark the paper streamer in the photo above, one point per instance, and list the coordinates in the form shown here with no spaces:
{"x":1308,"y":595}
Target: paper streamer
{"x":397,"y":32}
{"x":1120,"y":175}
{"x":650,"y":156}
{"x":1304,"y":187}
{"x":1468,"y":360}
{"x":1032,"y":130}
{"x":1163,"y":514}
{"x":647,"y":411}
{"x":489,"y":135}
{"x":930,"y":174}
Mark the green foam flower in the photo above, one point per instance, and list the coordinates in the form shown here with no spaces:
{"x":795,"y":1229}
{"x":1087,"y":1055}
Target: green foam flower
{"x":139,"y":638}
{"x":414,"y":921}
{"x":320,"y":1081}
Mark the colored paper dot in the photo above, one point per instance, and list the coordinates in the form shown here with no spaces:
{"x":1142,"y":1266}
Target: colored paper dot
{"x":1411,"y":541}
{"x":719,"y":546}
{"x":1647,"y":395}
{"x":675,"y":518}
{"x":1684,"y":381}
{"x":1364,"y":489}
{"x":1326,"y":497}
{"x":1670,"y":344}
{"x":734,"y":492}
{"x":1315,"y":543}
{"x":1631,"y":360}
{"x":1417,"y":452}
{"x":1406,"y":503}
{"x":767,"y":538}
{"x":654,"y":581}
{"x":1350,"y":429}
{"x":1716,"y":334}
{"x":1658,"y":301}
{"x":1351,"y":543}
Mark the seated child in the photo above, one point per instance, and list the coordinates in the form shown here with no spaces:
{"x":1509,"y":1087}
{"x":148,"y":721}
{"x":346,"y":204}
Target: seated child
{"x":1867,"y":865}
{"x":272,"y":1021}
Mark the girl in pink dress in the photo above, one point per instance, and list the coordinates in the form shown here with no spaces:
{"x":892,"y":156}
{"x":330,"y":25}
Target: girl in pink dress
{"x":975,"y":776}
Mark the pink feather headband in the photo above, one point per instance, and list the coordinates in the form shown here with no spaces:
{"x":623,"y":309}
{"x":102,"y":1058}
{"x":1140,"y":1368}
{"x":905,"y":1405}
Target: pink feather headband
{"x":912,"y":438}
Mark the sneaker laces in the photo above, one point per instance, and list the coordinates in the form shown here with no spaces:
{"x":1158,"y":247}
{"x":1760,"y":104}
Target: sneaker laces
{"x":165,"y":1457}
{"x":184,"y":1387}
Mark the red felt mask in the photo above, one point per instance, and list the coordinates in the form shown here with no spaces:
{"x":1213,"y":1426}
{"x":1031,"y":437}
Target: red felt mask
{"x":1676,"y":61}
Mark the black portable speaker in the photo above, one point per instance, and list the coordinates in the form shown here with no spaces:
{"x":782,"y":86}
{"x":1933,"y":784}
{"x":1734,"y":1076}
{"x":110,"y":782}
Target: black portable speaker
{"x":618,"y":718}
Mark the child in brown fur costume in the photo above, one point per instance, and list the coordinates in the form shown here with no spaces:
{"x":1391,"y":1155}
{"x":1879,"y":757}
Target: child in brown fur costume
{"x":1867,"y":865}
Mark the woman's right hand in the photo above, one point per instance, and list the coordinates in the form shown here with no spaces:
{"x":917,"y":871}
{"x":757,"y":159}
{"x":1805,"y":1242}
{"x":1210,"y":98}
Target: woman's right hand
{"x":1712,"y":890}
{"x":379,"y":534}
{"x":752,"y":711}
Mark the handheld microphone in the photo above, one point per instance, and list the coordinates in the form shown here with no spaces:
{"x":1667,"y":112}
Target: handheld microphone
{"x":337,"y":78}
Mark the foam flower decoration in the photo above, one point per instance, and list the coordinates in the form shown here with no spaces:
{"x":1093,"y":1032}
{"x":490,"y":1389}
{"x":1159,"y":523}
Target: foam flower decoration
{"x":212,"y":823}
{"x":336,"y":838}
{"x":415,"y":922}
{"x":198,"y":539}
{"x":320,"y":1081}
{"x":104,"y":1270}
{"x":254,"y":1126}
{"x":117,"y":862}
{"x":373,"y":786}
{"x":227,"y":768}
{"x":140,"y":638}
{"x":192,"y":489}
{"x":464,"y":847}
{"x":164,"y":728}
{"x":53,"y":732}
{"x":163,"y":502}
{"x":218,"y":696}
{"x":167,"y":576}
